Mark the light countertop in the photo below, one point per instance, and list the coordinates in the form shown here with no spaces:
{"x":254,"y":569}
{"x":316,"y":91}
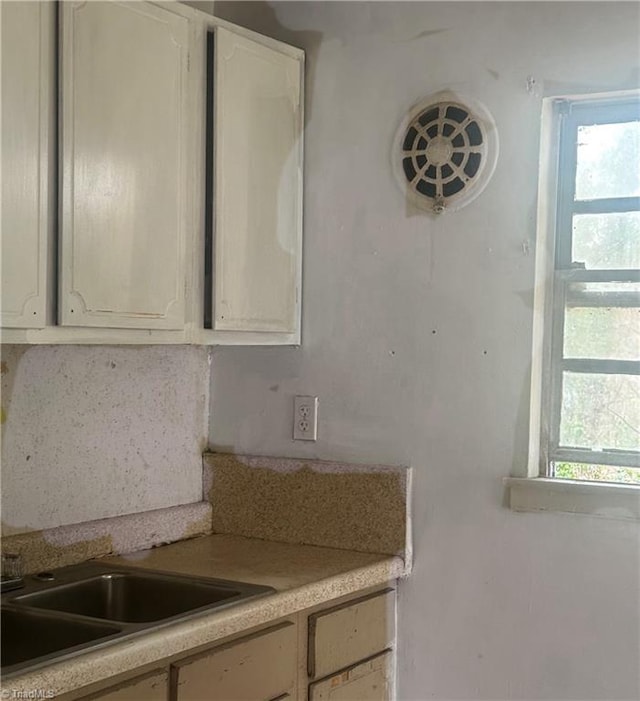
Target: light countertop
{"x":303,"y":576}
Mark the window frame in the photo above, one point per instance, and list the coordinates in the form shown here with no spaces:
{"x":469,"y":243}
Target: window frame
{"x":569,"y":115}
{"x":530,"y":488}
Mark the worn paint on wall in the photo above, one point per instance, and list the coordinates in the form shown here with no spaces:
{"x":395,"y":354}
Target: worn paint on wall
{"x":417,"y":340}
{"x":93,"y":432}
{"x":69,"y":545}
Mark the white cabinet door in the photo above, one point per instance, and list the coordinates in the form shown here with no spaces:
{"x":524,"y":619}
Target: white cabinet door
{"x":124,"y":159}
{"x":27,"y":72}
{"x":257,"y":186}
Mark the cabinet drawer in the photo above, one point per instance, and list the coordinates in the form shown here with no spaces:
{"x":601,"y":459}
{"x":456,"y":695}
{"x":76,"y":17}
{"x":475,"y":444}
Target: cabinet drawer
{"x":260,"y":667}
{"x":151,"y":687}
{"x":371,"y":680}
{"x":346,"y":634}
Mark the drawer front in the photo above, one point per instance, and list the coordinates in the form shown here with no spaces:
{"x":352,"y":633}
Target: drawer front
{"x":152,"y":687}
{"x":260,"y":667}
{"x":371,"y":680}
{"x":346,"y":634}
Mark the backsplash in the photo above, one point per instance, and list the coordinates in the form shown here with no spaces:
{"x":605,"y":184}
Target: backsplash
{"x":95,"y":432}
{"x":73,"y":544}
{"x":313,"y":502}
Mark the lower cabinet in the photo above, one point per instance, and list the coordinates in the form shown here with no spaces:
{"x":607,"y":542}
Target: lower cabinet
{"x":350,"y":650}
{"x":262,"y":666}
{"x":344,"y":652}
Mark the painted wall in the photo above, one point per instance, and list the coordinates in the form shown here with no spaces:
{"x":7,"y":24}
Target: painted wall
{"x":417,"y":339}
{"x":92,"y":432}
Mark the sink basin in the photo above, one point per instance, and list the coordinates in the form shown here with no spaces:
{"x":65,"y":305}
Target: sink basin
{"x":29,"y":634}
{"x":82,"y":608}
{"x":129,"y":597}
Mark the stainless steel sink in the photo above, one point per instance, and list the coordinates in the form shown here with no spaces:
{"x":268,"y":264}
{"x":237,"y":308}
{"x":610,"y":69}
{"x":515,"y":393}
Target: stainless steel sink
{"x":129,"y":597}
{"x":88,"y":606}
{"x":27,"y":634}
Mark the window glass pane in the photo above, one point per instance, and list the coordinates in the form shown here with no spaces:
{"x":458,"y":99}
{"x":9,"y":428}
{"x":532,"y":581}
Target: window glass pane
{"x":598,"y":473}
{"x":602,"y":332}
{"x":607,"y":241}
{"x":608,"y":157}
{"x":600,"y":411}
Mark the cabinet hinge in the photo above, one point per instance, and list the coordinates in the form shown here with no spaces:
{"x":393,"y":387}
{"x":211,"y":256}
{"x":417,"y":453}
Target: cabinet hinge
{"x":188,"y":62}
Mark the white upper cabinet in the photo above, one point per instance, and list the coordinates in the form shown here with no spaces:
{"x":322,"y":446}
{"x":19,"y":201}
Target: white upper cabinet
{"x":167,"y":205}
{"x":124,"y":165}
{"x":257,"y":199}
{"x":27,"y":83}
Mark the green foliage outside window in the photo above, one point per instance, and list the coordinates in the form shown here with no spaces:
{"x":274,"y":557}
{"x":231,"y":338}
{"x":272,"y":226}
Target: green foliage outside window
{"x":597,"y":473}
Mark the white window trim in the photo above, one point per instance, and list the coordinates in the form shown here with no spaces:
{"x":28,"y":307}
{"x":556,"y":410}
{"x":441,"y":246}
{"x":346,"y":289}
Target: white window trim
{"x":607,"y":500}
{"x":529,"y":490}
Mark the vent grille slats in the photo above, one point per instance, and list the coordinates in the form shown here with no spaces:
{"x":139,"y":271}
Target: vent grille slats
{"x":445,"y":150}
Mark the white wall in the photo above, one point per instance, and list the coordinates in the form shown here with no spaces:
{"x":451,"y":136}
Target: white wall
{"x":92,"y":432}
{"x":417,"y":338}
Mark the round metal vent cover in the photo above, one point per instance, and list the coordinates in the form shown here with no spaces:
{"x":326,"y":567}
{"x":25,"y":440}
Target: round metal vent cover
{"x":445,"y":152}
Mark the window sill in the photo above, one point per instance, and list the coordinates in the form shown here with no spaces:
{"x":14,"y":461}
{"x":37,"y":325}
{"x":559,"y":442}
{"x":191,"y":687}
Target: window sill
{"x":619,"y":501}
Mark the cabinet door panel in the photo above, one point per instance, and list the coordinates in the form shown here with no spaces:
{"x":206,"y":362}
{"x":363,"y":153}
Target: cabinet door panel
{"x":27,"y":71}
{"x":371,"y":680}
{"x":257,"y":668}
{"x":124,"y":89}
{"x":258,"y":186}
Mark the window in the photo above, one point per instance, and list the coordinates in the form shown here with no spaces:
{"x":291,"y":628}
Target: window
{"x":591,"y":398}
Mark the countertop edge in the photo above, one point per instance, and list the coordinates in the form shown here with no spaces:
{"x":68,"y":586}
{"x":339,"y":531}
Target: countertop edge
{"x":156,"y":646}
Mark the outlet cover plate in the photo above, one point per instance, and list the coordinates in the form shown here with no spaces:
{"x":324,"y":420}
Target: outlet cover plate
{"x":305,"y":418}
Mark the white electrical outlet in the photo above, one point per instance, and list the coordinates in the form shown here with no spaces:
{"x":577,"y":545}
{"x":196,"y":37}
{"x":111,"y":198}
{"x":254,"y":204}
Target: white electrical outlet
{"x":305,"y":419}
